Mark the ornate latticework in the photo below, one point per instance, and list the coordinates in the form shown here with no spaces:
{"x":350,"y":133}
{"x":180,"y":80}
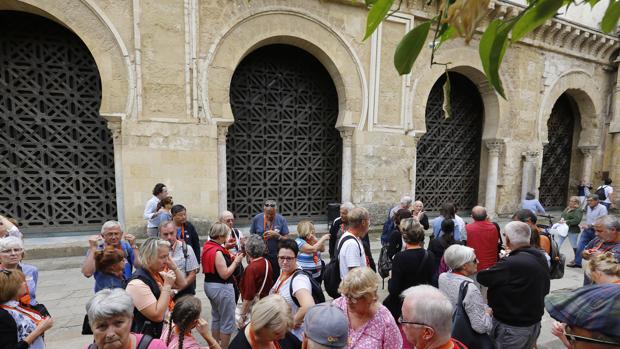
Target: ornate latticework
{"x":283,"y":144}
{"x":56,"y":156}
{"x":557,"y":155}
{"x":448,"y":154}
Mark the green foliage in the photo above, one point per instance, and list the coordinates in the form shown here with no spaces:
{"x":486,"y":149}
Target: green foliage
{"x":410,"y":46}
{"x":492,"y":48}
{"x":610,"y":19}
{"x":534,"y":16}
{"x":377,"y":13}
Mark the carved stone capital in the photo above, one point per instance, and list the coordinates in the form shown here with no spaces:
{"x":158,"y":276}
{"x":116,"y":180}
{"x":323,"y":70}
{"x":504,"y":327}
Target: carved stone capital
{"x":347,"y":136}
{"x":530,"y":155}
{"x":588,"y":150}
{"x":495,"y":146}
{"x":222,"y":131}
{"x":116,"y":129}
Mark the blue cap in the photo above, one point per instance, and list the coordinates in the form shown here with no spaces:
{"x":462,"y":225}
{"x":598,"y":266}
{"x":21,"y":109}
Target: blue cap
{"x":327,"y":325}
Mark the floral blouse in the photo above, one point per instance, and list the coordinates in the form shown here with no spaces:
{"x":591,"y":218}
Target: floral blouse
{"x":25,"y":321}
{"x":379,"y":332}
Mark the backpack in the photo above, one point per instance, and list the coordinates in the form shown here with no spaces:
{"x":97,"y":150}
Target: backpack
{"x":385,"y":263}
{"x":602,"y":196}
{"x":558,"y":259}
{"x":317,"y":292}
{"x":144,"y":343}
{"x":331,"y":273}
{"x":388,"y":227}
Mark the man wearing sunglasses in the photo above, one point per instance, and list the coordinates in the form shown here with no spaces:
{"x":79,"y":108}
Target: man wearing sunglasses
{"x":272,"y":227}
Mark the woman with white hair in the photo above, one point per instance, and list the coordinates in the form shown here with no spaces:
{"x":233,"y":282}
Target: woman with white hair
{"x":271,"y":324}
{"x":11,"y":256}
{"x":151,"y":285}
{"x":463,"y":264}
{"x":110,"y":312}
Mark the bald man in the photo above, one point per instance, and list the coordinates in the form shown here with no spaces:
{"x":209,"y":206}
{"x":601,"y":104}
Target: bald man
{"x":484,"y":237}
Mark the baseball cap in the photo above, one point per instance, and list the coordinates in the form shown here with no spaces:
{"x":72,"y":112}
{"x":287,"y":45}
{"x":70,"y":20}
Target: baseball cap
{"x":327,"y":325}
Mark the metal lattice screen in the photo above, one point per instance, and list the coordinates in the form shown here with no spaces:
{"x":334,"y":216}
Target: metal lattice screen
{"x":283,"y":144}
{"x":557,"y":155}
{"x":448,"y":154}
{"x":56,"y":158}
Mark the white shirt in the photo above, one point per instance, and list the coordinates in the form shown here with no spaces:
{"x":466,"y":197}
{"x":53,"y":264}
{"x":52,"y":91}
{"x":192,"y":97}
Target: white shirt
{"x":351,"y":254}
{"x":458,"y":221}
{"x":608,"y":190}
{"x":300,"y":282}
{"x":149,"y":209}
{"x":178,"y":257}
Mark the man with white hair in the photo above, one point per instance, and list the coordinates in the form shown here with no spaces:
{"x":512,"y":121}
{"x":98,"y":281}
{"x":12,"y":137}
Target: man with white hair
{"x":234,"y":242}
{"x":111,"y":235}
{"x":426,"y":318}
{"x":517,"y":286}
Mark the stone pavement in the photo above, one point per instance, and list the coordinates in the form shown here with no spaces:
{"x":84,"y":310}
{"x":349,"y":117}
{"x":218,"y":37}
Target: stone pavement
{"x":64,"y":290}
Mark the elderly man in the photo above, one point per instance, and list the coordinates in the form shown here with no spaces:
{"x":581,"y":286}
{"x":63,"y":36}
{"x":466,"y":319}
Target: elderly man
{"x":339,"y":227}
{"x":111,"y":235}
{"x":427,"y":318}
{"x":607,"y":238}
{"x":527,"y":216}
{"x":234,"y":243}
{"x":594,"y":210}
{"x":150,"y":209}
{"x":182,"y":255}
{"x":272,"y":227}
{"x":484,"y":237}
{"x":517,"y":286}
{"x":350,"y":250}
{"x":326,"y":326}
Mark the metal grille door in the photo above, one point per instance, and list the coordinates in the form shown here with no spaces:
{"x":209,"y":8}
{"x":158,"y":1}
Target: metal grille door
{"x":448,"y":155}
{"x":557,"y":155}
{"x":56,"y":156}
{"x":283,"y":144}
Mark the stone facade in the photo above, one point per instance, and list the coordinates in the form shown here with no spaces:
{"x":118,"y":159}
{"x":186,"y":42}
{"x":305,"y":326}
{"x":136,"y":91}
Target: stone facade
{"x":166,"y":68}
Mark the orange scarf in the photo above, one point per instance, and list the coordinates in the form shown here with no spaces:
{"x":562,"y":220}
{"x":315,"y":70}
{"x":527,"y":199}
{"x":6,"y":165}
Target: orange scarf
{"x":160,"y":282}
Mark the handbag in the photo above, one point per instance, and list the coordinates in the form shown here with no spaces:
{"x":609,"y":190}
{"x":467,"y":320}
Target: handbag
{"x":239,"y":308}
{"x":461,"y":326}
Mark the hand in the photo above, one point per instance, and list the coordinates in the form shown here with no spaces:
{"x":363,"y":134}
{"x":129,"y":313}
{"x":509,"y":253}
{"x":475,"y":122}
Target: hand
{"x":241,"y":321}
{"x":583,"y":226}
{"x":203,"y":327}
{"x":169,"y":277}
{"x":230,"y":245}
{"x":131,"y":240}
{"x":587,"y":254}
{"x":171,"y":264}
{"x":489,"y":311}
{"x":45,"y":324}
{"x":557,"y":329}
{"x":297,"y":324}
{"x":94,"y":240}
{"x":239,"y":257}
{"x":325,"y":237}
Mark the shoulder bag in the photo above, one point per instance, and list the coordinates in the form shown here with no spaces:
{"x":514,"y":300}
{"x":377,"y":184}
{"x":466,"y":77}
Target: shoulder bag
{"x":239,"y":320}
{"x":461,"y":326}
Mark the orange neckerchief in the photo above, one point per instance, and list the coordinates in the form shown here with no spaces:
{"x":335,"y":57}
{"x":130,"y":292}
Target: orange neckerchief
{"x":31,"y":313}
{"x":265,"y":225}
{"x":253,"y":340}
{"x":315,"y":255}
{"x":160,"y":282}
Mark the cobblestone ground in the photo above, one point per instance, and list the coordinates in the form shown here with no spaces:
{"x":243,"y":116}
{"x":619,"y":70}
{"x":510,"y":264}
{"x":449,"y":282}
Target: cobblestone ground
{"x":65,"y":292}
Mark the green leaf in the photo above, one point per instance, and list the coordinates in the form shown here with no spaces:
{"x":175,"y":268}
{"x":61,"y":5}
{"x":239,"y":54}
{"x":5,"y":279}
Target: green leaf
{"x":377,"y":13}
{"x":592,"y":2}
{"x":610,"y":19}
{"x":492,"y":47}
{"x":410,"y":46}
{"x":535,"y":16}
{"x":446,"y":33}
{"x":368,"y":2}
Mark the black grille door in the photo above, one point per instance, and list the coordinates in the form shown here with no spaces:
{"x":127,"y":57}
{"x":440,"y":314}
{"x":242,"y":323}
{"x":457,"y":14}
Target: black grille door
{"x":56,"y":158}
{"x":283,"y":144}
{"x":448,"y":154}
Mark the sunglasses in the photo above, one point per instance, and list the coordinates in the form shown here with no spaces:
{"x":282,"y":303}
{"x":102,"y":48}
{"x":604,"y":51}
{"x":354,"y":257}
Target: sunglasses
{"x":572,"y":338}
{"x":270,"y":205}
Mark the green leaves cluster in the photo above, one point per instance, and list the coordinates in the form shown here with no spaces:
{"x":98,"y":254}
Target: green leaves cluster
{"x":494,"y":41}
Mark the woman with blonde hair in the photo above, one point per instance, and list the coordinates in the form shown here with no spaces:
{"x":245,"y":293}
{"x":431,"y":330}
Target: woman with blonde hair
{"x":370,"y":323}
{"x":310,"y":248}
{"x":271,"y":323}
{"x":150,"y":287}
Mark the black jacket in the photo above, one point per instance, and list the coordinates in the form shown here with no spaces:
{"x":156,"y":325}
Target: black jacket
{"x":517,"y":286}
{"x":191,"y":239}
{"x":140,"y":323}
{"x":8,"y":332}
{"x":333,"y":236}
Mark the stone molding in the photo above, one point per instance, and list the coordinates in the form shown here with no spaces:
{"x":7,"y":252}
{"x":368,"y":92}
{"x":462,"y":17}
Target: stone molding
{"x":530,"y":155}
{"x":495,"y":146}
{"x":347,"y":136}
{"x":588,"y":150}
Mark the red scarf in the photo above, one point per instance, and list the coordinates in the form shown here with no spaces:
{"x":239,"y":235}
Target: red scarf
{"x":207,"y":257}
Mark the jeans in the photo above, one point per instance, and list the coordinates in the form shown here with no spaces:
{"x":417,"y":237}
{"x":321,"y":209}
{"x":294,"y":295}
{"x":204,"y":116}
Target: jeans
{"x":584,"y":239}
{"x":573,"y":238}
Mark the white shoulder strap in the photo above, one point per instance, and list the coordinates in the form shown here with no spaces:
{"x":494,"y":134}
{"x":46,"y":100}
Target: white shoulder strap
{"x":265,"y":279}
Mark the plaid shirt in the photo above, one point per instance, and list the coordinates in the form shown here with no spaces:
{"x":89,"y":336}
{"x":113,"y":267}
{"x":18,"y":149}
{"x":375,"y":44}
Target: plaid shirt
{"x":594,"y":307}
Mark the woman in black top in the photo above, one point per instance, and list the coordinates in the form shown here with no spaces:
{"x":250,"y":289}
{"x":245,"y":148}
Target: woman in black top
{"x":395,"y":243}
{"x":439,"y":245}
{"x":411,"y":267}
{"x":418,"y":212}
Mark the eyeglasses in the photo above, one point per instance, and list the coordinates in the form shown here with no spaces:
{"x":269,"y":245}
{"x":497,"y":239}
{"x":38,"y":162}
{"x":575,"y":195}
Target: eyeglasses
{"x":572,"y":338}
{"x":403,"y":322}
{"x":270,"y":205}
{"x":286,"y":258}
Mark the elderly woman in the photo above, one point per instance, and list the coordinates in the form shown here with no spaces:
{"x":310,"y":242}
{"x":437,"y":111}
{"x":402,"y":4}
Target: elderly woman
{"x":11,"y":255}
{"x":411,"y":267}
{"x":293,"y":285}
{"x":463,"y":263}
{"x":151,"y":285}
{"x":257,"y":279}
{"x":572,"y":217}
{"x":109,"y":263}
{"x":218,"y":267}
{"x":270,"y":326}
{"x":20,"y":327}
{"x":110,"y":312}
{"x":418,"y":213}
{"x":310,"y":248}
{"x":370,"y":323}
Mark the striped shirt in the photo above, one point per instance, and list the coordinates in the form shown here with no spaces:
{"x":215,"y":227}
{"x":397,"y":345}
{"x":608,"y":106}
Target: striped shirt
{"x":306,"y":260}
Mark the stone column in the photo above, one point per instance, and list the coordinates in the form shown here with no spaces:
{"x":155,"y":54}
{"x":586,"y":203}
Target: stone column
{"x":117,"y":140}
{"x":490,"y":200}
{"x":413,"y":172}
{"x":347,"y":162}
{"x":222,"y":186}
{"x":587,"y":162}
{"x":529,"y":173}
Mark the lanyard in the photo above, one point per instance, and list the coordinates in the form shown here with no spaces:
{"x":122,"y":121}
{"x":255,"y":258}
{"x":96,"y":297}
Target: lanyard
{"x":32,"y":314}
{"x":265,"y":226}
{"x":253,"y":341}
{"x":605,"y":250}
{"x":315,"y":255}
{"x":280,"y":283}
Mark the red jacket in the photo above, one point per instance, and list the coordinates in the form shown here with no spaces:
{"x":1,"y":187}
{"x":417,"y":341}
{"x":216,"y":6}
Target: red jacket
{"x":483,"y":237}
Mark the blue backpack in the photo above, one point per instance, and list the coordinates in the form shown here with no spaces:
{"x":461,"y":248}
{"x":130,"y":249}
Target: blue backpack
{"x":388,"y":227}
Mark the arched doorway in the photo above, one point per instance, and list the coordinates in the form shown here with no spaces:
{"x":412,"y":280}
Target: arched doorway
{"x":57,"y":160}
{"x":448,"y":154}
{"x":557,"y":153}
{"x":283,"y":144}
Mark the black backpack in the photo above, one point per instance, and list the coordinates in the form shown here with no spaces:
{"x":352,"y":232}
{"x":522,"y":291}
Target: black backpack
{"x":331,"y":273}
{"x":385,"y":263}
{"x":558,"y":259}
{"x":317,"y":292}
{"x":600,"y":192}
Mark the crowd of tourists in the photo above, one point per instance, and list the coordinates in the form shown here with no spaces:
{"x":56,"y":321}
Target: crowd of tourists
{"x":472,"y":285}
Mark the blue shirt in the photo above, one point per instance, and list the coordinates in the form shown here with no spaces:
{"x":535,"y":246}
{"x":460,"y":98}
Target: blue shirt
{"x":32,"y":277}
{"x":533,"y":205}
{"x":593,"y":213}
{"x":437,"y":229}
{"x":258,"y":227}
{"x":129,"y":261}
{"x":105,"y":280}
{"x":306,"y":260}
